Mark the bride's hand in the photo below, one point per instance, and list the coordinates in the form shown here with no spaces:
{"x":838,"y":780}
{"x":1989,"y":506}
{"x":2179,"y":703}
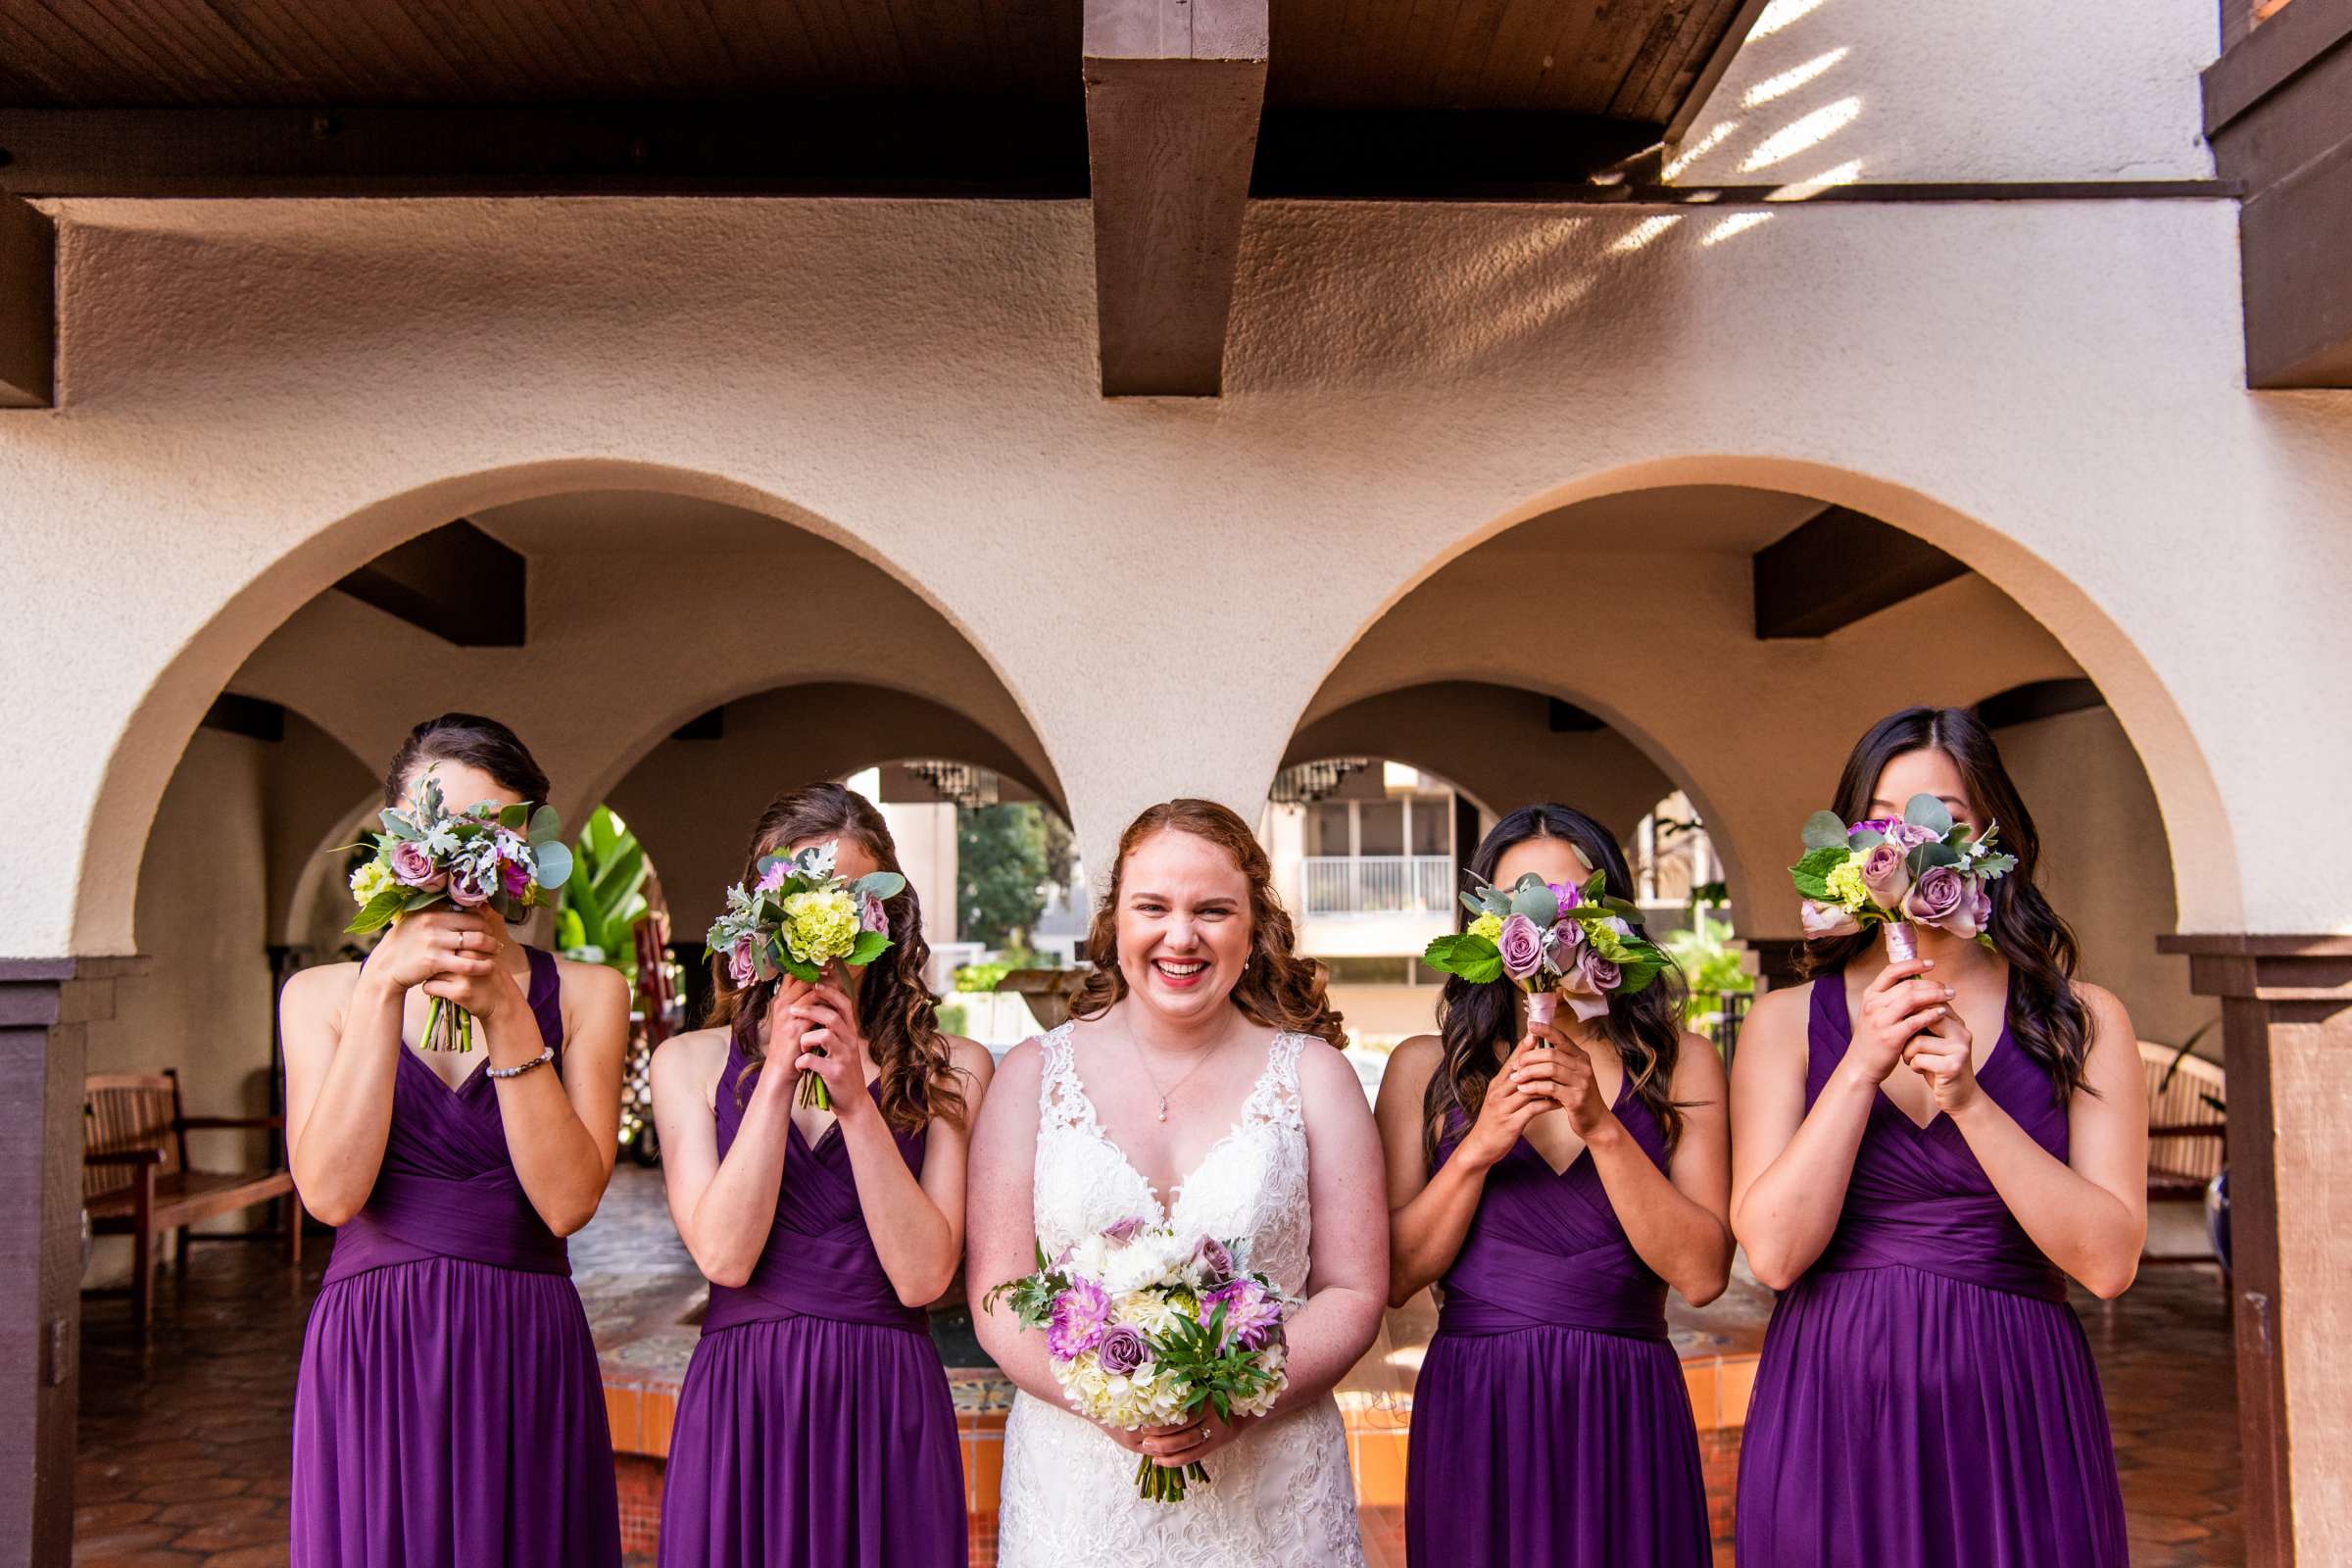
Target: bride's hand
{"x":1190,"y":1441}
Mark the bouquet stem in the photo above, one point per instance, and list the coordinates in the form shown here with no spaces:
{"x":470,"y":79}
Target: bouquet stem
{"x":1154,"y":1483}
{"x":447,"y":1027}
{"x":1542,"y":1006}
{"x":814,"y":1092}
{"x":1902,"y":942}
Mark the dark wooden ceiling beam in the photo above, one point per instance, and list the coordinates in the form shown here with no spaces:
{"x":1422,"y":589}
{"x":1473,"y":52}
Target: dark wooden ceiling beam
{"x":1839,"y":566}
{"x":1173,"y":93}
{"x":27,"y":306}
{"x":2039,"y":699}
{"x":2278,"y":113}
{"x":456,"y":582}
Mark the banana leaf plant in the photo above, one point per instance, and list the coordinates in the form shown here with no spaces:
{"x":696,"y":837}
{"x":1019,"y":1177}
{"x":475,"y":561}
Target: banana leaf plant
{"x":600,"y":907}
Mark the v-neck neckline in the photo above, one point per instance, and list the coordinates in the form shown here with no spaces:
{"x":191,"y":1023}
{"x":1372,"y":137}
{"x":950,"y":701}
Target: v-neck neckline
{"x":1584,"y":1151}
{"x":2001,"y":1043}
{"x":473,"y":1074}
{"x":817,"y":1145}
{"x":1092,"y":1124}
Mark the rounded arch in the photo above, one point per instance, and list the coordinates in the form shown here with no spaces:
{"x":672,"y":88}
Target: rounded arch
{"x":2204,"y":849}
{"x":149,"y":744}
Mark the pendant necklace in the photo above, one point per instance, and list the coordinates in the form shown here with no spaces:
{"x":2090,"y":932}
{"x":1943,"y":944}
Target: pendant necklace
{"x":1179,"y":1083}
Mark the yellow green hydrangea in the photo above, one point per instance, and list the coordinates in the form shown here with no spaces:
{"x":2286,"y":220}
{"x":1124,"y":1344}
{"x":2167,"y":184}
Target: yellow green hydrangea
{"x":820,"y":927}
{"x":1846,"y":884}
{"x":1488,"y":926}
{"x":369,"y":880}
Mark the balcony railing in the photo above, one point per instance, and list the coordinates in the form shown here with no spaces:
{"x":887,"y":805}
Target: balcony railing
{"x":1377,"y":884}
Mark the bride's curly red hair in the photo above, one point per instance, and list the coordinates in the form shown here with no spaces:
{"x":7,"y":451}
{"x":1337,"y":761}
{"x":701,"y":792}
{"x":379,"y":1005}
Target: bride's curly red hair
{"x":1278,"y":988}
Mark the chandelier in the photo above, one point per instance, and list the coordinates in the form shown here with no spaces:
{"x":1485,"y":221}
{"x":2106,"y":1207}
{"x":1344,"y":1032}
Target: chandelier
{"x":960,"y":782}
{"x":1308,"y":782}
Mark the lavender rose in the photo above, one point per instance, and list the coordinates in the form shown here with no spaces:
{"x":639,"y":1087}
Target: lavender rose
{"x":1215,"y":1261}
{"x":1080,"y":1314}
{"x":1944,"y":899}
{"x":1123,"y":1350}
{"x":413,"y":867}
{"x":1885,"y":875}
{"x":1826,"y":921}
{"x":1588,"y":986}
{"x":1521,"y":945}
{"x":872,"y":916}
{"x":742,"y":967}
{"x":1909,"y":836}
{"x":1123,"y":1232}
{"x":464,"y":892}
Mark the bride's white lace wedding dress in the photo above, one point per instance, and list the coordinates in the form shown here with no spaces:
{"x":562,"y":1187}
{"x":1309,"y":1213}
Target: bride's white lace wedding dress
{"x":1277,"y":1497}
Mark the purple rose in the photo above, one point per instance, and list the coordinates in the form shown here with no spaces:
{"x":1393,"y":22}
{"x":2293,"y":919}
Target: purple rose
{"x":1251,"y":1316}
{"x":1080,"y":1314}
{"x":743,"y":967}
{"x":464,"y":892}
{"x":1121,"y":1234}
{"x":872,"y":916}
{"x":1586,"y":986}
{"x":413,"y":867}
{"x":1561,"y":944}
{"x":1909,"y":836}
{"x":1522,"y":947}
{"x":1886,"y":876}
{"x":1215,"y":1261}
{"x":1946,"y":900}
{"x":1123,"y":1350}
{"x":1826,"y":921}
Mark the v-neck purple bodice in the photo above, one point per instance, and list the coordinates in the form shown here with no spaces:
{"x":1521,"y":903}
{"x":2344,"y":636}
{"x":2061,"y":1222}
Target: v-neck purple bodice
{"x":819,"y":1261}
{"x":1545,"y":1248}
{"x":447,"y":1186}
{"x":1917,"y":1198}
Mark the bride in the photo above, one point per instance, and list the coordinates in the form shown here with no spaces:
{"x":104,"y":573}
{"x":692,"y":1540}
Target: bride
{"x":1193,"y":1087}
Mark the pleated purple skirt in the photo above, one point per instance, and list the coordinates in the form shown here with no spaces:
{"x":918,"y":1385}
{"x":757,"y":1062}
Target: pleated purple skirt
{"x":450,"y":1414}
{"x":1553,"y":1447}
{"x":1908,"y":1420}
{"x":810,"y":1442}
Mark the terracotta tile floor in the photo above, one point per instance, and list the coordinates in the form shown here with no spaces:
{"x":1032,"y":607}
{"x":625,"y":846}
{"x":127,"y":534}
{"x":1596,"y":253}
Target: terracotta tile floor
{"x":183,"y":1442}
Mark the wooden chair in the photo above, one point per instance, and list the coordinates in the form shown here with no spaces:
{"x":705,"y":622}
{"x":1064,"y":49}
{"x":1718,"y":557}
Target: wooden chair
{"x":136,"y":1181}
{"x":2188,"y":1125}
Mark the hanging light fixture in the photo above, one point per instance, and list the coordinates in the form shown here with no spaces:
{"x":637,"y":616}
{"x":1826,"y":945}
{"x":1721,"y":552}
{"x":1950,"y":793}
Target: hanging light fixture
{"x":1308,"y":782}
{"x":959,"y":782}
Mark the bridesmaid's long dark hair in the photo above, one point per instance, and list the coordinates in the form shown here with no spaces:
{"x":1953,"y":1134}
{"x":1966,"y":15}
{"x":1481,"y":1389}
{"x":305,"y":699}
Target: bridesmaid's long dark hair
{"x":896,"y":1012}
{"x":2046,"y":1017}
{"x":1476,"y":1021}
{"x":474,"y":741}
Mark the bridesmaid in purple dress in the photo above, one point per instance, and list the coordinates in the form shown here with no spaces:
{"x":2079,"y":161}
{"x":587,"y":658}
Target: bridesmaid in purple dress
{"x":1925,"y":1150}
{"x":449,"y":1412}
{"x":814,"y":1428}
{"x":1554,"y":1189}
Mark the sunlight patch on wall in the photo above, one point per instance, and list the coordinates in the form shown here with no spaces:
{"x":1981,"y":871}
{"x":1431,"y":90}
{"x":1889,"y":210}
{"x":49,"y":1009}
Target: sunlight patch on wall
{"x":1735,"y":224}
{"x":1787,"y":81}
{"x":1805,"y":131}
{"x":1782,"y":14}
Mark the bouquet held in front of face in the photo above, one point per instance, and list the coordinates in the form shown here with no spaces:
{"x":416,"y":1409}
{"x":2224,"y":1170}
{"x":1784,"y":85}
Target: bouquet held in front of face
{"x":1553,"y":940}
{"x":1145,"y":1328}
{"x":796,"y":917}
{"x":506,"y":858}
{"x":1920,"y":868}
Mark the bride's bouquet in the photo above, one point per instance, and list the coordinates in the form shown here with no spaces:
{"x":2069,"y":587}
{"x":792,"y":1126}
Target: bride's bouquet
{"x":797,"y":915}
{"x":1553,"y":940}
{"x":1144,"y":1327}
{"x":1920,"y":868}
{"x":506,"y":858}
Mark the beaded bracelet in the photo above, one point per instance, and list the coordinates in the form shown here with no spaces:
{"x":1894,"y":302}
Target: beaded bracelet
{"x":547,"y":1053}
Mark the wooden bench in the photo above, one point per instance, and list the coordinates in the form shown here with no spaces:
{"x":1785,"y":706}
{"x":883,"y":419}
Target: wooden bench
{"x":136,"y":1180}
{"x":2189,"y":1129}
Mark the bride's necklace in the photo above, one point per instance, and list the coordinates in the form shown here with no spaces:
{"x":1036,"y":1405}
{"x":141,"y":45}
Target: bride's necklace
{"x":1153,"y":1081}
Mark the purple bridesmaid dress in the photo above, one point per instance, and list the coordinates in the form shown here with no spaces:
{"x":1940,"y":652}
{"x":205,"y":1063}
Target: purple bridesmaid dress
{"x":814,"y":1429}
{"x":1551,"y":1427}
{"x":450,"y":1413}
{"x":1926,"y":1398}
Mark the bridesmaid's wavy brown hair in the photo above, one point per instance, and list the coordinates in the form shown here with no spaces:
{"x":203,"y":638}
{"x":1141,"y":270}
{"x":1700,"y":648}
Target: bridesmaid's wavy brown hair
{"x":896,"y":1012}
{"x":1278,"y":988}
{"x":2047,"y":1019}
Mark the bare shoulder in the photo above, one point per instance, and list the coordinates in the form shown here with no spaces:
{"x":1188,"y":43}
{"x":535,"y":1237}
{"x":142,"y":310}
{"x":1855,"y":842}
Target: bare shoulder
{"x":971,"y":1059}
{"x":1771,"y":1038}
{"x":1023,"y":1065}
{"x":1698,"y":1072}
{"x":598,"y":985}
{"x":694,"y":1057}
{"x":1412,"y":1063}
{"x":319,"y":991}
{"x":2111,"y":1032}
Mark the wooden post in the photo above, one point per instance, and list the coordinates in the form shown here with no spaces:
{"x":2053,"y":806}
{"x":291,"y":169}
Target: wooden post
{"x":27,"y":306}
{"x":1173,"y":90}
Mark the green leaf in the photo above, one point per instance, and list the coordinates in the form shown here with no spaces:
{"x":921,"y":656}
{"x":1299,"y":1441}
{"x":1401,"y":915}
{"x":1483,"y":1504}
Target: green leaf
{"x":1473,"y":957}
{"x":880,"y":885}
{"x":1474,"y":904}
{"x":1926,"y":810}
{"x":377,"y":913}
{"x":1928,"y":854}
{"x":545,"y":826}
{"x":1535,"y":900}
{"x":1865,"y":837}
{"x":1825,"y":830}
{"x":571,"y":934}
{"x":555,"y":865}
{"x":421,"y":899}
{"x":400,"y":827}
{"x":1809,"y":874}
{"x":516,"y":816}
{"x":620,"y":876}
{"x":871,"y":944}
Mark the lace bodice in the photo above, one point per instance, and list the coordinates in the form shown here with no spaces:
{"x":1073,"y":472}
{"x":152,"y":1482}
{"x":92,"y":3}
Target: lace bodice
{"x":1250,"y":1184}
{"x":1277,"y":1496}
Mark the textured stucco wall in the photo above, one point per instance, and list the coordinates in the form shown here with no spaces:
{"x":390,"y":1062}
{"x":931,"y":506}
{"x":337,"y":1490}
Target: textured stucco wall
{"x":260,"y":395}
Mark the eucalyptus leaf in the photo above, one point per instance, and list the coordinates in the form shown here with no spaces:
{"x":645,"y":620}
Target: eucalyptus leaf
{"x":554,"y":864}
{"x":545,"y":826}
{"x":1475,"y":903}
{"x":1825,"y":830}
{"x":1865,"y":837}
{"x":1534,"y":899}
{"x":880,"y":884}
{"x":1926,"y":810}
{"x":1932,"y":854}
{"x":514,"y":817}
